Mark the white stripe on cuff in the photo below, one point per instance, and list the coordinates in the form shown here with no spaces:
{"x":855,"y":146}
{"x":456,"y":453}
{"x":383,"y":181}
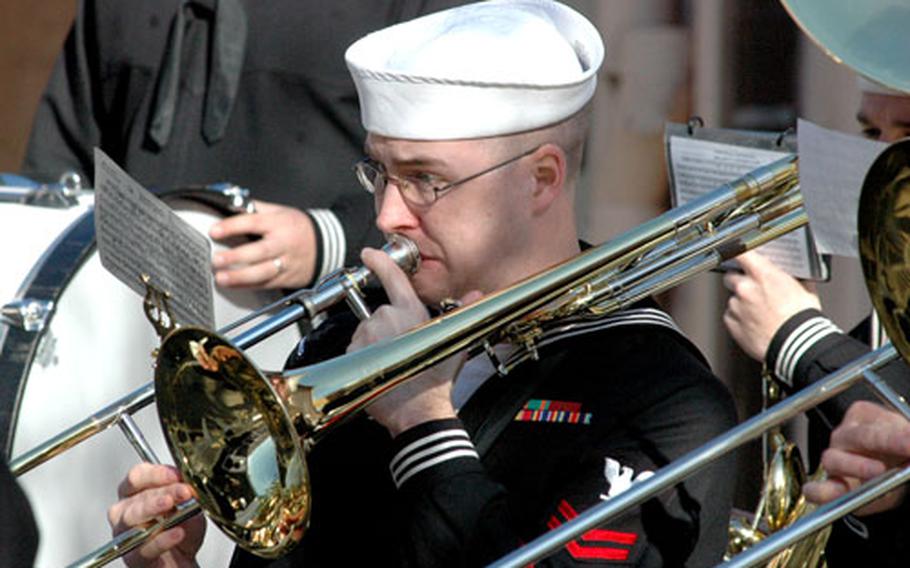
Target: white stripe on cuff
{"x":425,"y":452}
{"x":435,"y":449}
{"x":798,"y":342}
{"x":333,"y":240}
{"x":417,"y":444}
{"x":430,"y":463}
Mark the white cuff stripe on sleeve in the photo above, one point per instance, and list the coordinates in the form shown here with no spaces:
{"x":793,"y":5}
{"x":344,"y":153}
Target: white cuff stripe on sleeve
{"x":878,"y":335}
{"x":430,"y":450}
{"x":803,"y":339}
{"x":434,"y":449}
{"x":333,"y":241}
{"x":438,"y":459}
{"x":799,"y":341}
{"x":416,"y":445}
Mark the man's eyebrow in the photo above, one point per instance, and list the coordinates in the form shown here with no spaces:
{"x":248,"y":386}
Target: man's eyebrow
{"x":413,"y":162}
{"x":418,"y":161}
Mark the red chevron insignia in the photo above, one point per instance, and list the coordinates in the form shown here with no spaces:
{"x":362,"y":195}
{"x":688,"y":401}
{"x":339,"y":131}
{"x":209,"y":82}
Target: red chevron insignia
{"x":593,"y":544}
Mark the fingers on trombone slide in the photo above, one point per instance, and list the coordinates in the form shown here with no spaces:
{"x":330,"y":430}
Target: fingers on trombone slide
{"x":149,"y":492}
{"x":869,"y":440}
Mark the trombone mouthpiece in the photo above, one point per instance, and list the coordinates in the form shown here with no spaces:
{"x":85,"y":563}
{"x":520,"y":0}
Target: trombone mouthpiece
{"x":404,"y":252}
{"x":348,"y":284}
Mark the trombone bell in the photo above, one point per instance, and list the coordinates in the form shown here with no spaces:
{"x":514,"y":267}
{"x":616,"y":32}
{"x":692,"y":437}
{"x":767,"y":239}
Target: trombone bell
{"x":236,"y":444}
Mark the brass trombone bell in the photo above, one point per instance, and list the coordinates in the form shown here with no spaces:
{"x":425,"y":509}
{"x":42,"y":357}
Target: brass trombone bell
{"x":883,"y":219}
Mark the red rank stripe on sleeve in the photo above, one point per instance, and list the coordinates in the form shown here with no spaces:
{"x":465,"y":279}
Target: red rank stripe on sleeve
{"x":593,"y":544}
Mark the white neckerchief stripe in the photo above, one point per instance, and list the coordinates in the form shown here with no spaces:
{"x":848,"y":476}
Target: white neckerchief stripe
{"x":799,"y":341}
{"x":638,"y":316}
{"x":333,"y":240}
{"x":437,"y":460}
{"x":404,"y":464}
{"x":416,"y":445}
{"x":628,"y":317}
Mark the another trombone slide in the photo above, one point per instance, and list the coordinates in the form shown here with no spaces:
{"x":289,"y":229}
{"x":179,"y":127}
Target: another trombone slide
{"x":695,"y":460}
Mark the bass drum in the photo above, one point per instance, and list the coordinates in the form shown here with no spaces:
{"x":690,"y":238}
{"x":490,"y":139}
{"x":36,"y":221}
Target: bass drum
{"x":95,"y":347}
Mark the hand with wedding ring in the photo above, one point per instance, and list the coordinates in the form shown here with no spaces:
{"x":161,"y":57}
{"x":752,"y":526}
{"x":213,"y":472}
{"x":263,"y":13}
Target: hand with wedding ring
{"x":283,"y":256}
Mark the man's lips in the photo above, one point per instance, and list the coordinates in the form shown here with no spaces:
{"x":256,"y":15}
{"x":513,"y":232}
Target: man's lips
{"x":427,"y":256}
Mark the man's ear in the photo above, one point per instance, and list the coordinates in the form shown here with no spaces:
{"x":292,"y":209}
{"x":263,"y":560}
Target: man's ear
{"x":549,"y":170}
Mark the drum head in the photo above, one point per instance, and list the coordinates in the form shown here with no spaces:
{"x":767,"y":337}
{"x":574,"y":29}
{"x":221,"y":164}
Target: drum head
{"x":45,"y":283}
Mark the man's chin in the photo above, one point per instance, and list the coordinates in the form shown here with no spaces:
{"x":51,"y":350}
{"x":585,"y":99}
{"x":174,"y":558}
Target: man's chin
{"x":429,"y":289}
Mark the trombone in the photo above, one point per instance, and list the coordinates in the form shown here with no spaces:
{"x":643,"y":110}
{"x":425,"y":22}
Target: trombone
{"x":306,"y":403}
{"x":215,"y":406}
{"x":275,"y":419}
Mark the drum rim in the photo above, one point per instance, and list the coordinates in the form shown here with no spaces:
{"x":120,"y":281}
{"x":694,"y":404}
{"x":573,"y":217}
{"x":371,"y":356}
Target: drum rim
{"x":45,"y":282}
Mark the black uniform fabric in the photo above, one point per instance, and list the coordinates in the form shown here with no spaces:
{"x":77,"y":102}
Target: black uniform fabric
{"x":293,"y":132}
{"x":875,"y":540}
{"x":465,"y":492}
{"x":18,"y":532}
{"x":825,"y":356}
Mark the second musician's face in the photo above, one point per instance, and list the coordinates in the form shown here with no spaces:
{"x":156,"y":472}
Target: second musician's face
{"x":885,"y":118}
{"x":474,"y":236}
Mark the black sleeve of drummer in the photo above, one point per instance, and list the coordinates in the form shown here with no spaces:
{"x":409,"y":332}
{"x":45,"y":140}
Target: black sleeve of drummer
{"x":65,"y":128}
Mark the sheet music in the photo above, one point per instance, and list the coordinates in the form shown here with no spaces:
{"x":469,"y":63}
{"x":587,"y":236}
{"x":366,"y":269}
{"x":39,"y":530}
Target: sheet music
{"x":700,"y":166}
{"x":138,"y":234}
{"x":832,"y":167}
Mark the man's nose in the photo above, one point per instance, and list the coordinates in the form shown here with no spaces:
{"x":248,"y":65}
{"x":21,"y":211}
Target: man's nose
{"x":393,"y":214}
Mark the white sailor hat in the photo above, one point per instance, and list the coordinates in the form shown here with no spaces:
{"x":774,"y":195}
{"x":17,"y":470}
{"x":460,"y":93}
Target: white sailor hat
{"x":487,"y":69}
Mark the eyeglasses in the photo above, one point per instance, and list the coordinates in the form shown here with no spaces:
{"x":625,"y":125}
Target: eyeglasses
{"x":418,"y":190}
